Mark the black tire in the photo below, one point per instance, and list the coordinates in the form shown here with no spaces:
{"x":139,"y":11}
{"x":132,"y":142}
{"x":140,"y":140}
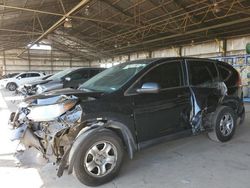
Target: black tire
{"x":12,"y":86}
{"x":219,"y":132}
{"x":7,"y":86}
{"x":79,"y":168}
{"x":242,"y":116}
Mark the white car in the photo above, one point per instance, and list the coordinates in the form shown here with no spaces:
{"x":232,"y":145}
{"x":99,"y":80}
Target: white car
{"x":20,"y":79}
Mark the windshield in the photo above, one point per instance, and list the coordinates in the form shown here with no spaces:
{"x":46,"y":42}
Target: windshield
{"x":113,"y":78}
{"x":60,"y":74}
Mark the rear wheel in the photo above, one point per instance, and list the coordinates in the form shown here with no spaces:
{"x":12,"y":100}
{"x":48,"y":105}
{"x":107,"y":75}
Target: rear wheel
{"x":99,"y":159}
{"x":224,"y":121}
{"x":12,"y":86}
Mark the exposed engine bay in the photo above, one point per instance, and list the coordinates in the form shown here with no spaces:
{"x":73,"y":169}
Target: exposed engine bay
{"x":48,"y":128}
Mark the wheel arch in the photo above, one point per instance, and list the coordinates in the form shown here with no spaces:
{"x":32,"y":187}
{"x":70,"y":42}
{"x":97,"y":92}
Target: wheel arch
{"x":233,"y":103}
{"x":118,"y":128}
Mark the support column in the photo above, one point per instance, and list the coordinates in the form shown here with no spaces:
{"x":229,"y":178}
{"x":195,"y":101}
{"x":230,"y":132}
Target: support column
{"x":180,"y":51}
{"x":224,"y":47}
{"x":150,"y":54}
{"x":51,"y":61}
{"x":29,"y":63}
{"x":4,"y":63}
{"x":70,"y":61}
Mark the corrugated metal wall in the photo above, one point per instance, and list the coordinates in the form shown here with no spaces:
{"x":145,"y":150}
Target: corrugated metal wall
{"x":38,"y":60}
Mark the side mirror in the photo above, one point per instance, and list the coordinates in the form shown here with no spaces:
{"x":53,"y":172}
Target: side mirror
{"x":19,"y":78}
{"x":68,"y":79}
{"x":149,"y":87}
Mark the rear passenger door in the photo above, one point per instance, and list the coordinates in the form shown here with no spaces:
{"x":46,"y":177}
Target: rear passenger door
{"x":33,"y":76}
{"x":204,"y":83}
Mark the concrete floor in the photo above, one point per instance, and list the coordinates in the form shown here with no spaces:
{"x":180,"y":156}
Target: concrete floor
{"x":189,"y":162}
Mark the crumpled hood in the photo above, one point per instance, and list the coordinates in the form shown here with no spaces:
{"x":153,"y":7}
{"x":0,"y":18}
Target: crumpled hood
{"x":53,"y":96}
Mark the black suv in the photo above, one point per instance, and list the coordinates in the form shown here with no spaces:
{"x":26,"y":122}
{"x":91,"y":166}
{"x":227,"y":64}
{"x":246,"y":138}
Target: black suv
{"x":127,"y":108}
{"x":71,"y":77}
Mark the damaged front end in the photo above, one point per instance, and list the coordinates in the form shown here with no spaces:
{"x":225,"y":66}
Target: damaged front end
{"x":49,"y":125}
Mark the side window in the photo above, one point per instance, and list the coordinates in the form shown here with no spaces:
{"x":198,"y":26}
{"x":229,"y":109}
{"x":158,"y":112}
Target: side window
{"x":34,"y":75}
{"x":79,"y":75}
{"x":224,"y":72}
{"x":23,"y":75}
{"x":202,"y":73}
{"x":166,"y":75}
{"x":228,"y":75}
{"x":84,"y":73}
{"x":93,"y":73}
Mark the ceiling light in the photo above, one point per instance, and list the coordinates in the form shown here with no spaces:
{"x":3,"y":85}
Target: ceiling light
{"x":216,"y":7}
{"x":192,"y":43}
{"x":67,"y":23}
{"x":86,"y":11}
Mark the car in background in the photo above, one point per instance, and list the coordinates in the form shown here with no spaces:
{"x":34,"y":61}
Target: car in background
{"x":13,"y":83}
{"x":4,"y":77}
{"x":129,"y":107}
{"x":30,"y":88}
{"x":68,"y":78}
{"x":10,"y":75}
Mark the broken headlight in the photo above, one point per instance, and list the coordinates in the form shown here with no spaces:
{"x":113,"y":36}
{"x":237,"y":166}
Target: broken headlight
{"x":50,"y":112}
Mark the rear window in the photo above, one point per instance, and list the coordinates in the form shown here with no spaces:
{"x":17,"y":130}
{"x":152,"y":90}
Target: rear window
{"x":228,"y":74}
{"x":202,"y":73}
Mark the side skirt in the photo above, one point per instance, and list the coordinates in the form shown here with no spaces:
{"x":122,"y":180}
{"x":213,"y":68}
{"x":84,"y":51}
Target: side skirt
{"x":182,"y":134}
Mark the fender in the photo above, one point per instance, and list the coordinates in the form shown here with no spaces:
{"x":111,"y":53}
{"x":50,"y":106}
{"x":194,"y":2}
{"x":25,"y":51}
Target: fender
{"x":233,"y":102}
{"x":127,"y":138}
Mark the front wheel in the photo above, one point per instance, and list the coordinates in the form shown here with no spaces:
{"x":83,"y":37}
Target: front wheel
{"x":12,"y":86}
{"x":224,"y":121}
{"x":99,"y":158}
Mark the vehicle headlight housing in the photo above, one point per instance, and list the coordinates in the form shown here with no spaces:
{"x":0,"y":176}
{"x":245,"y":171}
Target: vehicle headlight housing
{"x":50,"y":112}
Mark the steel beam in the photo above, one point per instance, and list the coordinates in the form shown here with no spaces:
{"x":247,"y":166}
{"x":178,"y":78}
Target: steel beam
{"x":62,"y":15}
{"x":20,"y":31}
{"x":57,"y":24}
{"x":187,"y":33}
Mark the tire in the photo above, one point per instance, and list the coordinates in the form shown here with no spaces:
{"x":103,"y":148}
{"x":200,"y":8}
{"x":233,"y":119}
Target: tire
{"x":7,"y":86}
{"x":12,"y":86}
{"x":224,"y":122}
{"x":242,"y":116}
{"x":92,"y":156}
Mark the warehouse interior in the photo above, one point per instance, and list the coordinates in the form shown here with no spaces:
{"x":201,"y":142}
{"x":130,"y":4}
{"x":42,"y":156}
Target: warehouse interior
{"x":131,"y":30}
{"x":49,"y":36}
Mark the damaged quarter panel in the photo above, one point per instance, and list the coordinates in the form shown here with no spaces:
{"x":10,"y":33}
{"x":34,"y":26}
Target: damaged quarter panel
{"x":205,"y":84}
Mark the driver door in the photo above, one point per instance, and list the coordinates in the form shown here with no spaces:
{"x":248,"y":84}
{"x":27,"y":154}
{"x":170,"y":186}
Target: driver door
{"x":166,"y":112}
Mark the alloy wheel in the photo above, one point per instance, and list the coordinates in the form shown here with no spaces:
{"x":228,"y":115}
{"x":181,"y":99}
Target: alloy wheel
{"x":100,"y":159}
{"x":226,"y":124}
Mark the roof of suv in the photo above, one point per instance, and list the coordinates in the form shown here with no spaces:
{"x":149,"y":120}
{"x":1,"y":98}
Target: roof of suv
{"x":151,"y":60}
